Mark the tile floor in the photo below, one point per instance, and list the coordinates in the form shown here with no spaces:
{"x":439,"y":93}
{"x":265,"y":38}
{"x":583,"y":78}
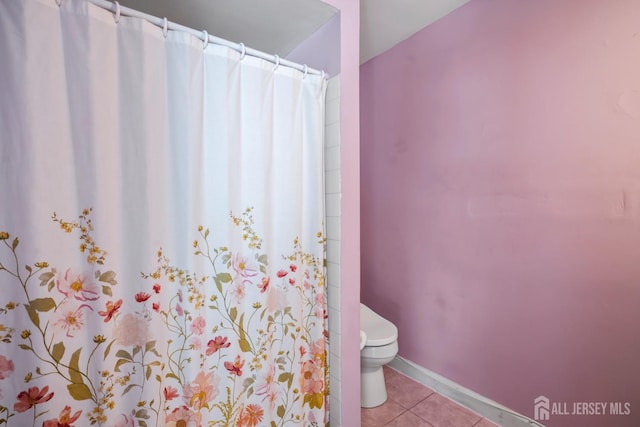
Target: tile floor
{"x":410,"y":404}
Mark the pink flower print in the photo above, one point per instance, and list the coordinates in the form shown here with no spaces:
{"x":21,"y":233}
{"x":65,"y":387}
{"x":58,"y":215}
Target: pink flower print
{"x":179,"y":310}
{"x":303,"y":351}
{"x":198,"y":325}
{"x":319,"y":305}
{"x":156,"y":307}
{"x":156,"y":288}
{"x":293,"y":267}
{"x":282,"y":273}
{"x":180,"y":295}
{"x":196,"y":343}
{"x":276,"y":299}
{"x":317,"y":349}
{"x":78,"y":286}
{"x":201,"y":391}
{"x":34,"y":396}
{"x":312,"y":378}
{"x":142,"y":296}
{"x":216,"y":344}
{"x":112,"y":309}
{"x":183,"y":416}
{"x":235,"y":367}
{"x":243,"y":266}
{"x":70,"y":318}
{"x":267,"y":386}
{"x":238,"y":292}
{"x":132,"y":331}
{"x":292,"y":281}
{"x":124,"y":421}
{"x":64,"y":420}
{"x":264,"y":284}
{"x":6,"y":367}
{"x":170,"y":393}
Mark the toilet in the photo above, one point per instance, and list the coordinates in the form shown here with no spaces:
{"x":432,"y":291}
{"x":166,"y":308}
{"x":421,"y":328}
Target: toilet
{"x":380,"y":339}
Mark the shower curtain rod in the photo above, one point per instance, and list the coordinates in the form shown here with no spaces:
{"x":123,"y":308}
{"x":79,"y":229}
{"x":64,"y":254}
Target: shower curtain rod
{"x":167,"y":25}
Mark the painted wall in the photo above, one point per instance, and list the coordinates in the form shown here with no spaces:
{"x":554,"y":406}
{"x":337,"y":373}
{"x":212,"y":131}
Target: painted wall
{"x":346,"y":250}
{"x":501,"y":200}
{"x":349,"y":209}
{"x":321,"y":50}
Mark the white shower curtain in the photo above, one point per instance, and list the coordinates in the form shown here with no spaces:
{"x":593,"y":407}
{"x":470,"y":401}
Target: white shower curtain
{"x":161,"y":217}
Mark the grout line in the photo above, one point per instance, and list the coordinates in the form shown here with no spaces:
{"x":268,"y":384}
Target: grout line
{"x":431,"y":394}
{"x":397,"y":416}
{"x":419,"y":417}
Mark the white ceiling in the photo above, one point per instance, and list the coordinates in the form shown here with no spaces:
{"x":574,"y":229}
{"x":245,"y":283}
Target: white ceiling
{"x":278,"y":26}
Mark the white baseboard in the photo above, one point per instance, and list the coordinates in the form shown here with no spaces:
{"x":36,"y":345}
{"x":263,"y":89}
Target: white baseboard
{"x":489,"y":409}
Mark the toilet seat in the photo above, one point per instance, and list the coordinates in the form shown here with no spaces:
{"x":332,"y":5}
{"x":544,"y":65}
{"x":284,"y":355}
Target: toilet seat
{"x":379,"y":330}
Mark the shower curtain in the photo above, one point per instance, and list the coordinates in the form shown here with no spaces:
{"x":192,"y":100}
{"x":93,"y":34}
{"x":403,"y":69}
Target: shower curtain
{"x":161,"y":227}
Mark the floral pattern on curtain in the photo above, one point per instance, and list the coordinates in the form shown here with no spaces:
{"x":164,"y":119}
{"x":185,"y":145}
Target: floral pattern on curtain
{"x":181,"y":350}
{"x":162,"y":250}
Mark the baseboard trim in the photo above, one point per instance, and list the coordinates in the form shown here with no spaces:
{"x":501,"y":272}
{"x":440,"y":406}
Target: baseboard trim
{"x":489,"y":409}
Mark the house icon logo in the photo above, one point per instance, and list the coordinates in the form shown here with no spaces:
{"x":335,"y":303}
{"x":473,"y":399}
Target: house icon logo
{"x":541,"y":408}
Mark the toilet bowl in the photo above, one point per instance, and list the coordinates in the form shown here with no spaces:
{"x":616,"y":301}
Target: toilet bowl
{"x":380,"y":348}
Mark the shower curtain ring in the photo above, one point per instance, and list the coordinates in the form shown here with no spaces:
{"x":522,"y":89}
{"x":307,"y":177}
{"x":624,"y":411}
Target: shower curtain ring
{"x":306,"y":71}
{"x":165,"y":27}
{"x":323,"y":75}
{"x":277,"y":62}
{"x":243,"y":51}
{"x":205,"y":39}
{"x":116,"y":17}
{"x":59,"y":3}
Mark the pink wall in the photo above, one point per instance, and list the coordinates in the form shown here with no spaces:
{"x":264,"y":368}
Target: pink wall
{"x":500,"y":171}
{"x":350,"y":209}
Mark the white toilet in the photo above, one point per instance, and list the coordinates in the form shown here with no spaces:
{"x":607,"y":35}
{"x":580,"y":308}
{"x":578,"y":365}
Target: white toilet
{"x":380,"y":348}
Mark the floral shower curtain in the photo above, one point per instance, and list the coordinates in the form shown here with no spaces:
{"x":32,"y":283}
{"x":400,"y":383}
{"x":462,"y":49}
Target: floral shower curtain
{"x":161,"y":217}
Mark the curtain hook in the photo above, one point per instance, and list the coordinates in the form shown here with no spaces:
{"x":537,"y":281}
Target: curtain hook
{"x":306,"y":71}
{"x":59,"y":3}
{"x":205,"y":39}
{"x":165,"y":27}
{"x":243,"y":51}
{"x":277,"y":62}
{"x":323,"y":75}
{"x":116,"y":17}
